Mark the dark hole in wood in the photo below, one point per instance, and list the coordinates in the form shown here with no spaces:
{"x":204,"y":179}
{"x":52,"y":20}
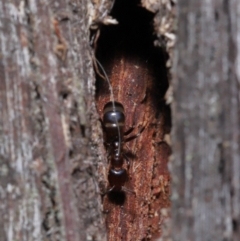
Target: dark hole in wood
{"x":133,"y":37}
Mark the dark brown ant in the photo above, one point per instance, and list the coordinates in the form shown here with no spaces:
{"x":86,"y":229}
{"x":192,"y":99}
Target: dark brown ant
{"x":114,"y":124}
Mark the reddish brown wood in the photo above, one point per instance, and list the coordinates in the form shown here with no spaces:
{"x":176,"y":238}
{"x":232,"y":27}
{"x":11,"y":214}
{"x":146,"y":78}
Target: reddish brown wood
{"x":133,"y":85}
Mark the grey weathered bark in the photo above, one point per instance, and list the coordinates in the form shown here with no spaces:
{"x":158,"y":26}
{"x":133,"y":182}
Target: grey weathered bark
{"x":47,"y":167}
{"x":206,"y":122}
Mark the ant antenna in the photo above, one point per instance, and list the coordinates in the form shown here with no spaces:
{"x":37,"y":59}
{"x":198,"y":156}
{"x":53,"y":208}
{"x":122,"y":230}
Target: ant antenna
{"x":112,"y":100}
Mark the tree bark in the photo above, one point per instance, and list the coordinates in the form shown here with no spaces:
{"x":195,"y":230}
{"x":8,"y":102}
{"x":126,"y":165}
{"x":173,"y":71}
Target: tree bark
{"x":206,"y":125}
{"x":48,"y":168}
{"x":52,"y":153}
{"x":51,"y":141}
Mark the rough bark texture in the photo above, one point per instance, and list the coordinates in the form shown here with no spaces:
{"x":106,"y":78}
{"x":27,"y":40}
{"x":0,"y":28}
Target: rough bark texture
{"x":206,"y":122}
{"x":52,"y":154}
{"x":47,"y":167}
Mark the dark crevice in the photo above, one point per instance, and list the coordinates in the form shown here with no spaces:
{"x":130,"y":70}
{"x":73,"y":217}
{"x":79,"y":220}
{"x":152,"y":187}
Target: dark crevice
{"x":235,"y":225}
{"x":134,"y":38}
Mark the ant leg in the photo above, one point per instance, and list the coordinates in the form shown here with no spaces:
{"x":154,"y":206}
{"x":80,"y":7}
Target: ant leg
{"x":95,"y":65}
{"x":95,"y":39}
{"x":128,"y":190}
{"x":134,"y":136}
{"x":129,"y":130}
{"x":106,"y":192}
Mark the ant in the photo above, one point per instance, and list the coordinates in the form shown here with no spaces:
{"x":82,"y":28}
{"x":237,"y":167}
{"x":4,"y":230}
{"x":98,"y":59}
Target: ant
{"x":113,"y":125}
